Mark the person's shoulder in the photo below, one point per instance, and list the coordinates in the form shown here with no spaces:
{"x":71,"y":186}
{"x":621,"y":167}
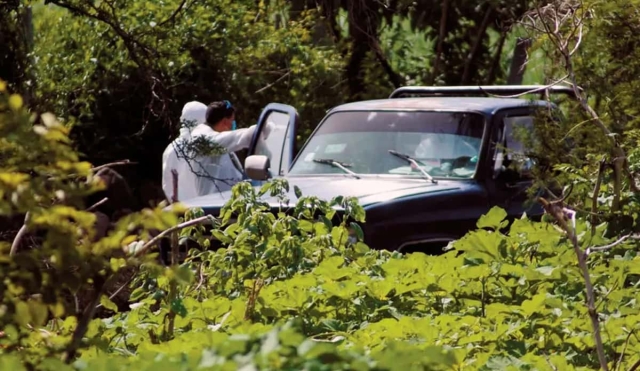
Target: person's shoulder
{"x":169,"y":150}
{"x":202,"y":129}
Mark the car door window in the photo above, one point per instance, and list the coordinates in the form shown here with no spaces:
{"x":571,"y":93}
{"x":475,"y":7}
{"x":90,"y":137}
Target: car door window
{"x":511,"y":155}
{"x":279,"y":138}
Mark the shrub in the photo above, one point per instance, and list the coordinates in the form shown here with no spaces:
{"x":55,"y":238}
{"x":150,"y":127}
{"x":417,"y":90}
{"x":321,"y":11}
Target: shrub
{"x":291,"y":290}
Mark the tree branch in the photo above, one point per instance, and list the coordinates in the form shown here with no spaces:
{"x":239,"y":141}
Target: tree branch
{"x":594,"y":197}
{"x":92,"y":207}
{"x":21,"y":232}
{"x":394,"y":77}
{"x":542,"y":88}
{"x":273,"y":83}
{"x":624,"y":350}
{"x":173,"y":16}
{"x":156,"y":239}
{"x":557,"y":16}
{"x":612,"y":245}
{"x":618,"y":152}
{"x":561,"y":215}
{"x":83,"y":323}
{"x":142,"y":55}
{"x":117,"y":163}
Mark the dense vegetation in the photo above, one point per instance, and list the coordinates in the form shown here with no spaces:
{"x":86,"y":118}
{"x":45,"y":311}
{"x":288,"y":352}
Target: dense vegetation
{"x":121,"y":74}
{"x":291,"y":291}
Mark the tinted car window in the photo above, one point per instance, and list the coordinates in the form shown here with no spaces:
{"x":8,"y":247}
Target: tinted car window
{"x":511,"y":151}
{"x":445,"y":143}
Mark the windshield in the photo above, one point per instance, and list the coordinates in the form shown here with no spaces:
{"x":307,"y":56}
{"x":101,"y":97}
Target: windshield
{"x":444,"y":144}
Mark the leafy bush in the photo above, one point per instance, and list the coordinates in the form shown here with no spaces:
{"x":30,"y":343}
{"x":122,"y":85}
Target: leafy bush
{"x":67,"y":270}
{"x":510,"y":299}
{"x":290,"y":290}
{"x":513,"y":299}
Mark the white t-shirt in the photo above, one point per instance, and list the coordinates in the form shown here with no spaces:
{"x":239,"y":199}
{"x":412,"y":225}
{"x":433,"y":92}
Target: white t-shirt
{"x":171,"y":161}
{"x":203,"y":175}
{"x":218,"y":173}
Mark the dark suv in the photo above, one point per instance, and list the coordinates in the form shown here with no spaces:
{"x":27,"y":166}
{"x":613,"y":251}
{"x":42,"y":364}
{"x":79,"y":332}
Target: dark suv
{"x":425,"y":168}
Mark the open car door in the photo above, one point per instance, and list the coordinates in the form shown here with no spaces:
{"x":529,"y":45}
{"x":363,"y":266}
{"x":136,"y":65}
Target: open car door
{"x":279,"y":145}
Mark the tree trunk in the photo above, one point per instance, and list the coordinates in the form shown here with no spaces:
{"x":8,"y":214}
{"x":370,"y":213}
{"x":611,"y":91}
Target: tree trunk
{"x":495,"y":65}
{"x":354,"y":78}
{"x":27,"y":24}
{"x":519,"y":61}
{"x":441,"y":36}
{"x":363,"y":29}
{"x":470,"y":67}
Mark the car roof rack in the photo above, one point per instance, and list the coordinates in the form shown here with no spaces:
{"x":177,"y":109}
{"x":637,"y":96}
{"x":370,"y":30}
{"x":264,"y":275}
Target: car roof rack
{"x":487,"y":90}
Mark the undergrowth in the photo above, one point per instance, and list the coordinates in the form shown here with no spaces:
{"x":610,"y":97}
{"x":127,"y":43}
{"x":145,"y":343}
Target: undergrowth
{"x":289,"y":290}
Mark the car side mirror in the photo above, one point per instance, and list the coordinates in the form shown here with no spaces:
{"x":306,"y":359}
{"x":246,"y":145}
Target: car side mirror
{"x":257,"y":167}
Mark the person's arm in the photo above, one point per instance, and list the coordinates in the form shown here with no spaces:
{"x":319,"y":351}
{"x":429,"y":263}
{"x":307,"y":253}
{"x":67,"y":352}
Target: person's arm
{"x":241,"y":138}
{"x":237,"y":139}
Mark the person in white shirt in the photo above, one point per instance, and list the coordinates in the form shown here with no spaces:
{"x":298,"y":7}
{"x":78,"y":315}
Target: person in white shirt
{"x":193,"y":113}
{"x":206,"y":174}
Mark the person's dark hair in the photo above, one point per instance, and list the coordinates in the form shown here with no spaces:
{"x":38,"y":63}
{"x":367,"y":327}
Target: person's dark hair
{"x":216,"y":111}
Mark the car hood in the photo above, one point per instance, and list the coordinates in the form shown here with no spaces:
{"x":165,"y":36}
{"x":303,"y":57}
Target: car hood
{"x":368,"y":190}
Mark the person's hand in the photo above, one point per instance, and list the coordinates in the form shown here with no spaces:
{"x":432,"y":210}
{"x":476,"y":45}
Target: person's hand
{"x":267,"y":129}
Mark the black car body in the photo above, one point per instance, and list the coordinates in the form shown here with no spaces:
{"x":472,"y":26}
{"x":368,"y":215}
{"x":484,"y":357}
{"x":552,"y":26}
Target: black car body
{"x":469,"y":143}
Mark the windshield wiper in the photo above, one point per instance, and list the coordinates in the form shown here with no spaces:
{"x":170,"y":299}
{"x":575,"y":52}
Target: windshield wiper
{"x":337,"y":164}
{"x":413,"y":162}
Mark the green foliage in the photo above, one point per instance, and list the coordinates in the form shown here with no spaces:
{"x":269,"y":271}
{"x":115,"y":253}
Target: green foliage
{"x":209,"y":51}
{"x":292,"y":291}
{"x":295,"y":289}
{"x":14,"y":44}
{"x":581,"y":151}
{"x":122,"y":73}
{"x":36,"y":160}
{"x":42,"y":179}
{"x":298,"y":289}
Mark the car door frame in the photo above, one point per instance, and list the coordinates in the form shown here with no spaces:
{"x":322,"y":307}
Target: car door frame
{"x":500,"y":188}
{"x":294,"y":119}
